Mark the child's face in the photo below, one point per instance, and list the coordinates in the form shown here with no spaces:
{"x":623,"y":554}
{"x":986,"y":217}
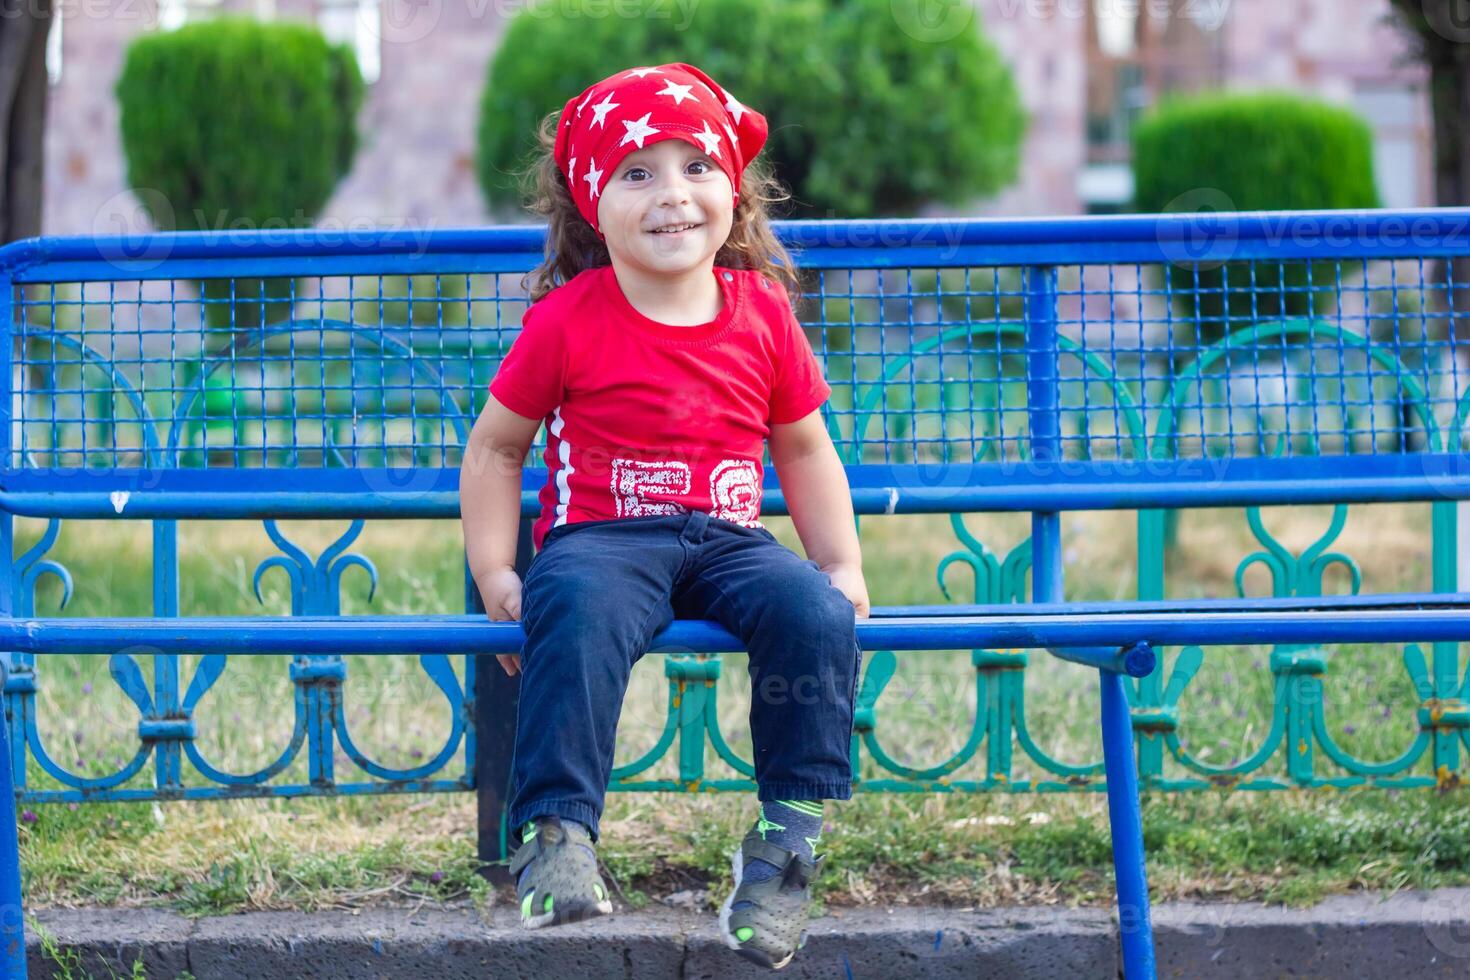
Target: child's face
{"x":670,"y":182}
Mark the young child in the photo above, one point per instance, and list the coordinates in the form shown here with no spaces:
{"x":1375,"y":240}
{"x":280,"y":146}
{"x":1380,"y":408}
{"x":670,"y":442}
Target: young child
{"x":661,"y":351}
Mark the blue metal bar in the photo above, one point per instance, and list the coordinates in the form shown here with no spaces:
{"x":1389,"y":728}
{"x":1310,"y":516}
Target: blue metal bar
{"x":1043,"y":414}
{"x":876,"y":488}
{"x":459,"y":634}
{"x":170,"y":255}
{"x":1124,"y":813}
{"x":12,"y":911}
{"x":168,"y":752}
{"x":847,"y":244}
{"x":1135,"y":925}
{"x":1333,"y":603}
{"x":279,"y":265}
{"x":1042,"y":405}
{"x":1136,"y":660}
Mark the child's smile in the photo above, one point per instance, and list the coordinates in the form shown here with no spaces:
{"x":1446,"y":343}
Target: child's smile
{"x":666,"y":208}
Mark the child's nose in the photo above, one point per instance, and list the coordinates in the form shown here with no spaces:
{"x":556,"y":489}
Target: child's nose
{"x":673,"y":188}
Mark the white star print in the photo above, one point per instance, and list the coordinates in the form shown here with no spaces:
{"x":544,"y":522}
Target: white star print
{"x":640,"y":72}
{"x":736,"y":109}
{"x":572,"y":169}
{"x":584,"y":103}
{"x":731,"y":133}
{"x":678,"y":92}
{"x":638,"y":131}
{"x":710,"y":139}
{"x":592,"y":176}
{"x":602,"y":109}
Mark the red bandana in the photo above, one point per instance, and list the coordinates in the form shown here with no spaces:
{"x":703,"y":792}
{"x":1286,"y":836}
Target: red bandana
{"x":635,"y":108}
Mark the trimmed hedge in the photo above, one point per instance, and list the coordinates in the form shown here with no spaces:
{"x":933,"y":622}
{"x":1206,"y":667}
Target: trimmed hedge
{"x":1266,"y":151}
{"x":238,"y":125}
{"x":866,"y":117}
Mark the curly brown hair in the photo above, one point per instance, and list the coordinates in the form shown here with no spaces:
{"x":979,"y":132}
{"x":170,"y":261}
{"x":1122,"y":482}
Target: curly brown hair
{"x":572,"y":245}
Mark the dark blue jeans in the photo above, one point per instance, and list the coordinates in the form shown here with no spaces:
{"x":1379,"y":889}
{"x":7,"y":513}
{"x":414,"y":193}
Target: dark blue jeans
{"x":593,"y":599}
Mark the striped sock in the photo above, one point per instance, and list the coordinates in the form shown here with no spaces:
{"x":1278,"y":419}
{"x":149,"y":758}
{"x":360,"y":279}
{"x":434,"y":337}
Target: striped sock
{"x":795,"y":825}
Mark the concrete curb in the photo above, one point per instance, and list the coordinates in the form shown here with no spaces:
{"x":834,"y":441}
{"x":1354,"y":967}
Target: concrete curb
{"x":1421,"y":933}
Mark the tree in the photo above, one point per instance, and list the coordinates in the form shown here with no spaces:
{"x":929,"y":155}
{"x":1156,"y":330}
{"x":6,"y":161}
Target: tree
{"x":873,"y":111}
{"x":23,"y":32}
{"x":268,"y":156}
{"x":1304,"y":154}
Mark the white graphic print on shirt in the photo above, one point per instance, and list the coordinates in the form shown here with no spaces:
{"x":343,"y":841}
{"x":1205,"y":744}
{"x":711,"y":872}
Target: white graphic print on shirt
{"x":634,"y":480}
{"x":734,"y":491}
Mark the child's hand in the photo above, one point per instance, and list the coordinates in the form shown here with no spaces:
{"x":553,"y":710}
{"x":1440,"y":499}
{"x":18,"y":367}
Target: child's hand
{"x":501,"y":593}
{"x":848,"y":579}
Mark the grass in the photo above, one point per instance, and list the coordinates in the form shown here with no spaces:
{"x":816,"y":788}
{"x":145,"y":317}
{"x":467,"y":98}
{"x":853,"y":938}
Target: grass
{"x":208,"y":858}
{"x":67,"y":961}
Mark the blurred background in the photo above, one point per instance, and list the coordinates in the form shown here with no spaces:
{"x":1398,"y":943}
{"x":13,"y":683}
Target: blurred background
{"x":123,"y":116}
{"x":132,"y":114}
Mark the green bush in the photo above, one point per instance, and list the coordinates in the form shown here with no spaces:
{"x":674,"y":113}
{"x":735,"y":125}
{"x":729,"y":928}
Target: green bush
{"x":866,"y":118}
{"x":238,"y":125}
{"x":1267,"y":151}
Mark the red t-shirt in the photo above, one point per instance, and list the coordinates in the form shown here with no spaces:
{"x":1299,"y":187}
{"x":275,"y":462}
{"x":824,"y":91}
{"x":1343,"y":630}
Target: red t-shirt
{"x":644,"y":418}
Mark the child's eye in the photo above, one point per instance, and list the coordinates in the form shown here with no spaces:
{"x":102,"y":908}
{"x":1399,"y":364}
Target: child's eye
{"x":632,"y":172}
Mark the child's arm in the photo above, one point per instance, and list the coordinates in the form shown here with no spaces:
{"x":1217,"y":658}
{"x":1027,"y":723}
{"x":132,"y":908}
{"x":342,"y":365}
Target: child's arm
{"x":490,"y":509}
{"x":820,"y":502}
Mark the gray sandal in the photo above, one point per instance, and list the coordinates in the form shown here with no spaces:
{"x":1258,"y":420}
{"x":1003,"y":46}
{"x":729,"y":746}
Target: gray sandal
{"x":771,"y":929}
{"x":563,"y":884}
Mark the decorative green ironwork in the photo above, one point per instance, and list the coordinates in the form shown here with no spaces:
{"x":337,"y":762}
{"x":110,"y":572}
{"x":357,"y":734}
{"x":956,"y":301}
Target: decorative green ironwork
{"x":908,"y":402}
